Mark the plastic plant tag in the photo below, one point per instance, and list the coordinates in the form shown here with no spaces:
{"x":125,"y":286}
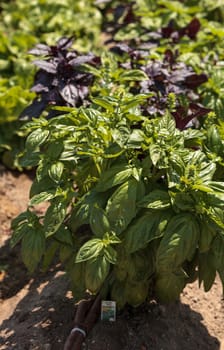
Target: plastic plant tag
{"x":108,"y":310}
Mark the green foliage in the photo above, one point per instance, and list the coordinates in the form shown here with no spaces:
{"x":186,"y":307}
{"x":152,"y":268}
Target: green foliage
{"x":23,"y":24}
{"x":135,"y":203}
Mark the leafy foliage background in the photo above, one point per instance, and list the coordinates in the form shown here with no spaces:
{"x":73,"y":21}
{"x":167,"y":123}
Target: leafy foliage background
{"x":127,"y":142}
{"x":23,"y":24}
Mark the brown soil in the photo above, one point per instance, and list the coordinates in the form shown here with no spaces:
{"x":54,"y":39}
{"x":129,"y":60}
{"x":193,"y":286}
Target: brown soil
{"x":36,"y":311}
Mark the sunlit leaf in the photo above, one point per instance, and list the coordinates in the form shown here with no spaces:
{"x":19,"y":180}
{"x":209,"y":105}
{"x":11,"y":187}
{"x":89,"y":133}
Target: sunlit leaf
{"x":91,"y":249}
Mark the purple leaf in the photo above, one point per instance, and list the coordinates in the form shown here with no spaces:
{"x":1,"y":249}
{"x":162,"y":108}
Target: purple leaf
{"x":83,"y":92}
{"x":39,"y":88}
{"x":154,"y":70}
{"x":197,"y":110}
{"x":55,"y":81}
{"x":71,"y":54}
{"x":53,"y":98}
{"x":172,"y":31}
{"x":194,"y":80}
{"x":65,"y":43}
{"x":83,"y":79}
{"x":40,"y":50}
{"x":101,"y":1}
{"x":121,"y":48}
{"x":46,"y":66}
{"x":80,"y":60}
{"x":177,"y":77}
{"x":119,"y":12}
{"x":130,"y":17}
{"x":192,"y":28}
{"x":70,"y":94}
{"x":184,"y":115}
{"x":180,"y":117}
{"x":43,"y":78}
{"x":155,"y":36}
{"x":169,"y":57}
{"x":167,"y":31}
{"x":34,"y":110}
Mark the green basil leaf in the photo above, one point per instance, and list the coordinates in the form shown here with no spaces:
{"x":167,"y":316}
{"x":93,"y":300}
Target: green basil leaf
{"x":18,"y":234}
{"x":155,"y":153}
{"x":156,"y":199}
{"x":105,"y":103}
{"x":96,"y":272}
{"x":183,"y":201}
{"x":21,"y":219}
{"x":140,"y":266}
{"x":64,"y":235}
{"x":54,"y":216}
{"x":56,"y":171}
{"x":136,"y":138}
{"x":144,"y":229}
{"x":82,"y":210}
{"x":45,"y":184}
{"x":206,"y":270}
{"x":99,"y":222}
{"x":218,"y":252}
{"x":55,"y":149}
{"x":215,"y":199}
{"x":134,"y":101}
{"x":91,"y":249}
{"x":110,"y":254}
{"x":202,"y":188}
{"x":169,"y":285}
{"x":207,"y":171}
{"x":118,"y":293}
{"x":33,"y":247}
{"x":36,"y":138}
{"x":179,"y":242}
{"x":77,"y":277}
{"x":217,"y":216}
{"x":167,"y":125}
{"x":65,"y":253}
{"x":42,"y":197}
{"x":207,"y":233}
{"x":113,"y":239}
{"x":116,"y":175}
{"x":49,"y":255}
{"x":22,"y":225}
{"x":121,"y":206}
{"x":133,"y":75}
{"x":32,"y":159}
{"x":136,"y":293}
{"x":216,"y":186}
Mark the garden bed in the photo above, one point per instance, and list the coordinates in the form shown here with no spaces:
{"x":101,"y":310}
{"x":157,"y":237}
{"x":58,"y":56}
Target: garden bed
{"x":37,"y":311}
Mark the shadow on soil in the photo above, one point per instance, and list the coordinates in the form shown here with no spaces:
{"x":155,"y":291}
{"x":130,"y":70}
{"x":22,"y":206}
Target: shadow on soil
{"x":43,"y":310}
{"x":16,"y":276}
{"x":42,"y":318}
{"x":159,"y":327}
